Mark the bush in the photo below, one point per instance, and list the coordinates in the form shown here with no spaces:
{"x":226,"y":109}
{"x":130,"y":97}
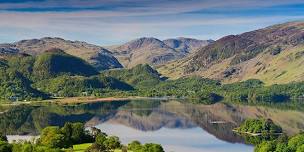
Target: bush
{"x":295,"y":142}
{"x":52,"y":137}
{"x":112,"y":142}
{"x":135,"y":146}
{"x":152,"y":148}
{"x":5,"y":147}
{"x":96,"y":148}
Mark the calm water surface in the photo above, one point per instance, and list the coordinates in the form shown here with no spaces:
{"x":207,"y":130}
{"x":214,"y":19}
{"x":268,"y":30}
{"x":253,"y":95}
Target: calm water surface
{"x":176,"y":139}
{"x":178,"y":126}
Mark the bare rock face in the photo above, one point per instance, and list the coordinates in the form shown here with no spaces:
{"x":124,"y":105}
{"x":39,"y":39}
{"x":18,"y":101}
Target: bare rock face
{"x":100,"y":57}
{"x":154,"y":51}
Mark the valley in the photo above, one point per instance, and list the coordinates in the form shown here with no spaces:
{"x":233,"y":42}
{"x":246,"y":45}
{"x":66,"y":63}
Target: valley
{"x":152,"y":76}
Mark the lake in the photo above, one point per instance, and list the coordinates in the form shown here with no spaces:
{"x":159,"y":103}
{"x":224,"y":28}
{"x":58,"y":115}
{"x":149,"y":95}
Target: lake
{"x":179,"y":126}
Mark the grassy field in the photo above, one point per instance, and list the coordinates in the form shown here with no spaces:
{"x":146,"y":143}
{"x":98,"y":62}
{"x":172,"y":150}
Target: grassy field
{"x":81,"y":147}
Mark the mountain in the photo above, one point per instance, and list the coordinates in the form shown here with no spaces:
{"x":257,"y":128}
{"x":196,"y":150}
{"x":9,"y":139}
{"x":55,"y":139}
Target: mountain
{"x":186,"y":45}
{"x":273,"y":54}
{"x":56,"y":62}
{"x":154,"y":51}
{"x":99,"y":57}
{"x":145,"y":50}
{"x":140,"y":51}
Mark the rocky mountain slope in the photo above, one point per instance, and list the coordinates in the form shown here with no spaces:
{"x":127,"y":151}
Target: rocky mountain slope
{"x":99,"y":57}
{"x":154,"y":51}
{"x":273,"y":54}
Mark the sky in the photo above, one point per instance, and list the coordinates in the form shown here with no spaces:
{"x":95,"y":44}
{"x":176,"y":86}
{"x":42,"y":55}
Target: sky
{"x":110,"y":22}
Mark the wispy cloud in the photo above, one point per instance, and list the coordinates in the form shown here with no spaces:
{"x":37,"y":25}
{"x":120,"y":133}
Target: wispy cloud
{"x":115,"y":21}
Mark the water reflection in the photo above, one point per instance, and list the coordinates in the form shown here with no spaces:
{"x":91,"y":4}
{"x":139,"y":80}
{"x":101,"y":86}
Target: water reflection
{"x":148,"y":119}
{"x":178,"y":140}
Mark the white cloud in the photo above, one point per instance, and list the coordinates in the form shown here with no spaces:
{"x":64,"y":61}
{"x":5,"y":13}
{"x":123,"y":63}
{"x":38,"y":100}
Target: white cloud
{"x":125,"y":22}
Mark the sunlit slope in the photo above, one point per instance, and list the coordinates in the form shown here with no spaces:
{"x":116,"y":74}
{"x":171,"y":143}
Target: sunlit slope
{"x":274,"y":55}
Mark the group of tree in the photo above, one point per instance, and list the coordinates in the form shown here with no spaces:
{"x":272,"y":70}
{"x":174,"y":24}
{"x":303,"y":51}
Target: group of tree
{"x":136,"y":146}
{"x":283,"y":144}
{"x":259,"y":126}
{"x":105,"y":143}
{"x":255,"y":131}
{"x":60,"y":139}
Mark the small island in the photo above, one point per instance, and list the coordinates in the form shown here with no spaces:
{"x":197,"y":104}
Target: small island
{"x":258,"y":127}
{"x":266,"y":127}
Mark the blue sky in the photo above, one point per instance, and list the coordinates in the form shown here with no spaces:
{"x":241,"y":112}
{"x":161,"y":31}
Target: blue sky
{"x":107,"y":22}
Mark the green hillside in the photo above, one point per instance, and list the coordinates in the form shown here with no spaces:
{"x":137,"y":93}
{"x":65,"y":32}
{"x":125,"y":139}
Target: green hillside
{"x":141,"y":75}
{"x":53,"y":73}
{"x":71,"y":86}
{"x":55,"y":63}
{"x":14,"y":86}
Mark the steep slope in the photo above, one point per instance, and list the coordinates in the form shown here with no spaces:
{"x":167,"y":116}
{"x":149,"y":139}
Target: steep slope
{"x":55,"y":62}
{"x":186,"y":45}
{"x":14,"y":86}
{"x":14,"y":83}
{"x":99,"y":57}
{"x":273,"y":54}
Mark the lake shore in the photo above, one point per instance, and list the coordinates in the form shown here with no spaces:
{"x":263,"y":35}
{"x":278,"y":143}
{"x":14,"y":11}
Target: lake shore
{"x":77,"y":100}
{"x":254,"y":134}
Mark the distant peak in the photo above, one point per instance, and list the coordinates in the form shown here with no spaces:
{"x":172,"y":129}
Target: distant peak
{"x":52,"y":38}
{"x":146,"y":39}
{"x":186,"y":38}
{"x":143,"y":42}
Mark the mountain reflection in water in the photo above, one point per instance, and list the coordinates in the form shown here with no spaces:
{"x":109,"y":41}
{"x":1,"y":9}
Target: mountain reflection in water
{"x":179,"y":126}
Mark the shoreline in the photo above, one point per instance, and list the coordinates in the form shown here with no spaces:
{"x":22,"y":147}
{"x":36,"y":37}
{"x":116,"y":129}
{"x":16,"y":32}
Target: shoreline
{"x":95,"y":99}
{"x":77,"y":100}
{"x":254,"y":134}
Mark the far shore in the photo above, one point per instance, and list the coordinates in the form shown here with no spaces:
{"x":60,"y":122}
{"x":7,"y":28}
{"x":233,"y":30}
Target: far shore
{"x":75,"y":100}
{"x":97,"y":99}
